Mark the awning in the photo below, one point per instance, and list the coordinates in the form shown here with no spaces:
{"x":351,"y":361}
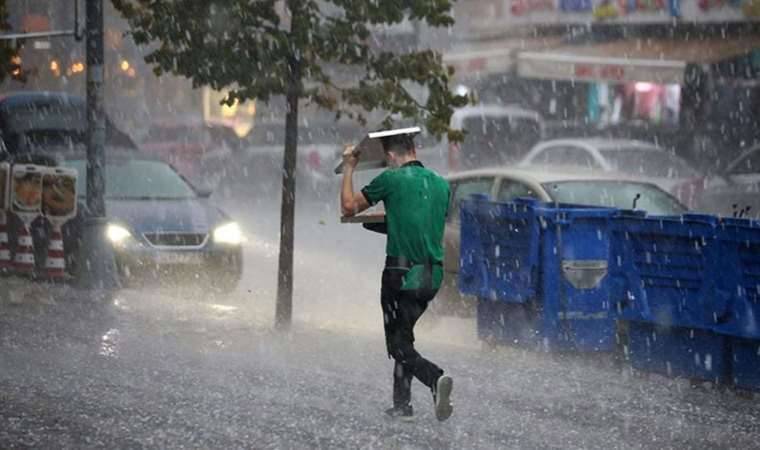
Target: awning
{"x":495,"y":57}
{"x":651,"y":60}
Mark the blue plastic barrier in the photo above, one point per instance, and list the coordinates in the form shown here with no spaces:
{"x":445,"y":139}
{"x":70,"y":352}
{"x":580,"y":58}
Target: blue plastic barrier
{"x":678,"y":351}
{"x":541,"y":270}
{"x":664,"y":278}
{"x":739,"y":249}
{"x":745,"y":362}
{"x":557,"y":277}
{"x":499,"y":250}
{"x":662,"y":269}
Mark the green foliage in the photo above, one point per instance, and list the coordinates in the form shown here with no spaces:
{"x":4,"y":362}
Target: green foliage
{"x":262,"y":48}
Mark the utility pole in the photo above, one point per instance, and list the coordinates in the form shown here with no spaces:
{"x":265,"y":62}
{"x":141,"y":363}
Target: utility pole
{"x":96,"y":125}
{"x":97,"y":269}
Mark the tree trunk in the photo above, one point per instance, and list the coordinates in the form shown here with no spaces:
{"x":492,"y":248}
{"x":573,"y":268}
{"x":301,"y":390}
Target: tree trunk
{"x":284,"y":306}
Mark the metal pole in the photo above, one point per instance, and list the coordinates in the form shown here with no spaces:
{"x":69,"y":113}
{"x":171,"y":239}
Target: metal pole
{"x":96,"y":261}
{"x":96,"y":124}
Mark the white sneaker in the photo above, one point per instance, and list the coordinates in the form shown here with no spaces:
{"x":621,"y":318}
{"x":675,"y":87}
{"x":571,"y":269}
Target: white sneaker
{"x":442,"y":397}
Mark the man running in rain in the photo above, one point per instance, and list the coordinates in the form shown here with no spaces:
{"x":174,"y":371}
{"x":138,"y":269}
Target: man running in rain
{"x":416,"y":202}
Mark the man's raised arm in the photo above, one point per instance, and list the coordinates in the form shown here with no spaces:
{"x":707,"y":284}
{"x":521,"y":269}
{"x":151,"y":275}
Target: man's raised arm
{"x":351,"y":203}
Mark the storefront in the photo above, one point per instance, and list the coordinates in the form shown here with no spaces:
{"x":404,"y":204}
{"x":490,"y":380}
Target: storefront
{"x":497,"y":57}
{"x":489,"y":70}
{"x":678,"y":84}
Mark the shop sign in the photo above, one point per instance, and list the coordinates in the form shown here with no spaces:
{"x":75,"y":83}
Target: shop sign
{"x":606,"y":72}
{"x":569,"y":67}
{"x":523,"y":7}
{"x":613,"y":9}
{"x":718,"y":10}
{"x":576,"y":5}
{"x":634,"y":6}
{"x":489,"y":17}
{"x":707,"y":5}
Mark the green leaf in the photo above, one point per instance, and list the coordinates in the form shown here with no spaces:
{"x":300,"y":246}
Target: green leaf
{"x":256,"y":48}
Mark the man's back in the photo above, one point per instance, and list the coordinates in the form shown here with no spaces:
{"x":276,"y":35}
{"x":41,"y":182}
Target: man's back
{"x":416,"y":203}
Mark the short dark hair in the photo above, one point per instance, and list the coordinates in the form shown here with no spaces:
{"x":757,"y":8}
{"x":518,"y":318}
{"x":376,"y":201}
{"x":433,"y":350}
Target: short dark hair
{"x":400,"y":144}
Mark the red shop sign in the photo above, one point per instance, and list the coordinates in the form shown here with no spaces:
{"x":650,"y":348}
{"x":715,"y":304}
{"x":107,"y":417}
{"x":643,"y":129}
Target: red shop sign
{"x":606,"y":72}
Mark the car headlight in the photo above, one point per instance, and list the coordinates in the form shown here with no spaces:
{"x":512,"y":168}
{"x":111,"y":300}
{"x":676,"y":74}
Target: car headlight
{"x":228,"y":234}
{"x":117,"y":234}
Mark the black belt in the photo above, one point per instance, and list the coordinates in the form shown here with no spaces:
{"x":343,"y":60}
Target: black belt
{"x":400,"y":262}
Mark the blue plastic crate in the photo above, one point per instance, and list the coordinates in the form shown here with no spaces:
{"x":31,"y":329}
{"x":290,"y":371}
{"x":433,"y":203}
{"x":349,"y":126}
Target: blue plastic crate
{"x":509,"y":251}
{"x":574,"y":276}
{"x":550,"y":259}
{"x":678,"y":351}
{"x":470,"y":279}
{"x":739,"y":288}
{"x":745,"y":363}
{"x":663,"y":270}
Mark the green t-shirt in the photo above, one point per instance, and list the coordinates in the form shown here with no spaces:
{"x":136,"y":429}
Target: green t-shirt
{"x":416,"y":203}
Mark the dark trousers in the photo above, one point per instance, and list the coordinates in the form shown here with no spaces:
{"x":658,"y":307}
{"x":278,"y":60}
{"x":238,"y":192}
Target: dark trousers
{"x":401,"y":310}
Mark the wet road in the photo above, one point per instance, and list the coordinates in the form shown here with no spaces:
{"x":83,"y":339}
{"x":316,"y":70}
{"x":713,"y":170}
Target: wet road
{"x":181,"y":369}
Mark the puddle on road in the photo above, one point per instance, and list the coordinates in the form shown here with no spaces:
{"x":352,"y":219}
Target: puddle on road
{"x":109,"y":345}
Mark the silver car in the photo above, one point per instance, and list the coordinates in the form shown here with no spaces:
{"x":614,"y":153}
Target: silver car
{"x":636,"y":159}
{"x":500,"y":184}
{"x":737,"y":191}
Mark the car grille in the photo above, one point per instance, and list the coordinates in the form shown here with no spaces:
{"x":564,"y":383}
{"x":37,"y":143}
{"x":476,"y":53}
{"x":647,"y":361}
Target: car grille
{"x":176,"y":239}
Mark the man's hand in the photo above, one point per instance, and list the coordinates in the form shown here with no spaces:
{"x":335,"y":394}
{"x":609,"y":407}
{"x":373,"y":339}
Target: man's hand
{"x":350,"y":156}
{"x":351,"y":203}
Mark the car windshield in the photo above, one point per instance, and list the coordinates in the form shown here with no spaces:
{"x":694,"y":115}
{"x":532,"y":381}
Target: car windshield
{"x":616,"y":194}
{"x":137,"y":180}
{"x":648,"y":162}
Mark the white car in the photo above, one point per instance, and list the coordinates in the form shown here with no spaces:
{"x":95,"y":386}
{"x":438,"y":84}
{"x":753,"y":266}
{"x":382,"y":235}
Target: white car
{"x":495,"y":135}
{"x":501,"y":184}
{"x":631,"y":158}
{"x":737,"y":191}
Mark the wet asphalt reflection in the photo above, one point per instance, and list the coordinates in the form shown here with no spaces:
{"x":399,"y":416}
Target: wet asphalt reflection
{"x":178,"y":367}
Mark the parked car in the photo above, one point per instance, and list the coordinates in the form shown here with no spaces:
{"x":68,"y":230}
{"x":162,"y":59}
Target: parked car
{"x":495,"y":135}
{"x":33,"y":121}
{"x":319,"y":148}
{"x":631,"y":158}
{"x":501,"y":184}
{"x":200,"y":150}
{"x":161,"y":227}
{"x":736,"y":189}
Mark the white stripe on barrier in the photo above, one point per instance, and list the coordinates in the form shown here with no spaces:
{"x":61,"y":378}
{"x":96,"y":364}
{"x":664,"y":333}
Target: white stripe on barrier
{"x":3,"y":237}
{"x":25,"y":241}
{"x":5,"y":255}
{"x":24,"y":258}
{"x":55,"y":263}
{"x":55,"y":245}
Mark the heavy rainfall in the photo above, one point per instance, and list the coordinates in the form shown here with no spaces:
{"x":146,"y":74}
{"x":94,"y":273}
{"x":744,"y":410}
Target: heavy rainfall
{"x":178,"y":267}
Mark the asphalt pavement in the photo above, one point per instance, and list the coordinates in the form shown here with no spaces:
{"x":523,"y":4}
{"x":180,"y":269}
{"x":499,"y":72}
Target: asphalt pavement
{"x":180,"y":368}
